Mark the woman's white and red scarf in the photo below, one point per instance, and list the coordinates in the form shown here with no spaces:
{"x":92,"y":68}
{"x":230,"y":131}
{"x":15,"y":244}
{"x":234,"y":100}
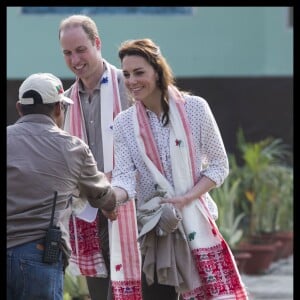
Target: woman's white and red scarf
{"x":86,"y":258}
{"x":215,"y":275}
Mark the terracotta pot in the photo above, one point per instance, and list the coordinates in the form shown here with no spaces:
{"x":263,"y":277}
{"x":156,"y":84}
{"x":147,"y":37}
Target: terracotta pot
{"x":279,"y":249}
{"x":241,"y":257}
{"x":262,"y":256}
{"x":270,"y":238}
{"x":287,"y":239}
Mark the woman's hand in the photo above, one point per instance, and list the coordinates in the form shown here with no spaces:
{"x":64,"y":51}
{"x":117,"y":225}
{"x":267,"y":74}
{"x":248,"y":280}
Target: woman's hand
{"x":203,"y":186}
{"x":178,"y":201}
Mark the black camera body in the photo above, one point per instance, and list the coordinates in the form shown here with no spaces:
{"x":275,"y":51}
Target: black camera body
{"x":52,"y":245}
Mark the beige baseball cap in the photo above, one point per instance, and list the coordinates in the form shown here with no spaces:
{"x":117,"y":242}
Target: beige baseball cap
{"x":42,"y":88}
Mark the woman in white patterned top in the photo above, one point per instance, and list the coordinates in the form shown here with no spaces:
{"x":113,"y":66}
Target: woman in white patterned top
{"x":168,"y":144}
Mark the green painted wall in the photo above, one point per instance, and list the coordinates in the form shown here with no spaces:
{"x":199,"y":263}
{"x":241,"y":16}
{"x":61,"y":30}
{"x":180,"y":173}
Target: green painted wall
{"x":214,"y":41}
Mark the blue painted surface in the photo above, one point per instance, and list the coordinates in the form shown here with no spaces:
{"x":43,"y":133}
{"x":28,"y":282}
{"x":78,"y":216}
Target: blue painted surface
{"x":212,"y":41}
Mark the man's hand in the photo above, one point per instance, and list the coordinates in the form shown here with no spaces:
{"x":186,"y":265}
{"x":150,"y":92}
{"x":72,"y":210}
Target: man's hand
{"x":111,"y":215}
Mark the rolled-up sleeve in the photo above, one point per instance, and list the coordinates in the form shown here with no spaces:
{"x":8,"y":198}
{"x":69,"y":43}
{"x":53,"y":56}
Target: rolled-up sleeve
{"x":213,"y":153}
{"x":124,"y":173}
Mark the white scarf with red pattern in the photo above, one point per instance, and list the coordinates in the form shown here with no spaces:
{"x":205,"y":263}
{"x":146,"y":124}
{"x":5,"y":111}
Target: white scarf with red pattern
{"x":213,"y":259}
{"x":86,"y":258}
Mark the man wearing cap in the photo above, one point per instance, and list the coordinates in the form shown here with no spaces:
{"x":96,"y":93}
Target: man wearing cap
{"x":44,"y":160}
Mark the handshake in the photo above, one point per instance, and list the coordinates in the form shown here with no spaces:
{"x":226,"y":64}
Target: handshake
{"x":121,"y":197}
{"x":111,"y":215}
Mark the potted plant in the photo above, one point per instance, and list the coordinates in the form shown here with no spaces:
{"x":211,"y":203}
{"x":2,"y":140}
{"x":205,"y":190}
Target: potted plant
{"x":260,"y":197}
{"x":262,"y":169}
{"x":283,"y":223}
{"x":229,"y":221}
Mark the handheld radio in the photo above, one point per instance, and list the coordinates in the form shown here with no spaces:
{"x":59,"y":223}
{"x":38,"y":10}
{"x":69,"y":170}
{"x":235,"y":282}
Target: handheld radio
{"x":53,"y":239}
